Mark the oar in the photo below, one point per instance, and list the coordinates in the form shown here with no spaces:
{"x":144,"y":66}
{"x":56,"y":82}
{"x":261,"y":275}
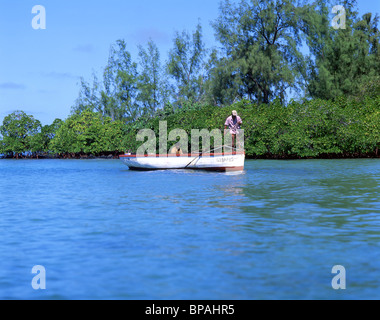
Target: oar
{"x":193,"y":160}
{"x":201,"y":155}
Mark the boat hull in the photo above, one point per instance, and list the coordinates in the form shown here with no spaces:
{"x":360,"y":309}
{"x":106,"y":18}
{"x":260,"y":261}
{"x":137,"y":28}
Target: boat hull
{"x":213,"y":162}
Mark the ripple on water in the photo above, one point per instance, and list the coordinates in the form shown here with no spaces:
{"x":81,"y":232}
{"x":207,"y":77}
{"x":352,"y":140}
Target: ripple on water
{"x":104,"y":232}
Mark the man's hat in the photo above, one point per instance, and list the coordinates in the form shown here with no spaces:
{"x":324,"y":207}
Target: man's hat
{"x":234,"y":113}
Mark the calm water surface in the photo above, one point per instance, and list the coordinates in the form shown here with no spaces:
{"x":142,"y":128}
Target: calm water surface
{"x":273,"y":232}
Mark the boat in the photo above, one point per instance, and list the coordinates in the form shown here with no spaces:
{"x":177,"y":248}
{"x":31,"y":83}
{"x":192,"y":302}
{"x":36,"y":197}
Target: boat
{"x":223,"y":162}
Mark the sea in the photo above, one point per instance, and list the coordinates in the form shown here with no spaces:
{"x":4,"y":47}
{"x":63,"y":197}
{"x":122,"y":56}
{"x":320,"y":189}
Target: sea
{"x":93,"y":229}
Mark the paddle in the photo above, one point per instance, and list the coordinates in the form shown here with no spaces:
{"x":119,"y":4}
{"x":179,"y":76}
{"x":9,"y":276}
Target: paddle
{"x":194,"y":159}
{"x":209,"y":151}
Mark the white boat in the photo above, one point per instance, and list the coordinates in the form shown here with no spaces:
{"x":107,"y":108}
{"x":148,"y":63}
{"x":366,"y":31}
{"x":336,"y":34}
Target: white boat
{"x":232,"y":161}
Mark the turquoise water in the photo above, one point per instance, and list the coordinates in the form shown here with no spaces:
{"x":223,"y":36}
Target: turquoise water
{"x":272,"y":232}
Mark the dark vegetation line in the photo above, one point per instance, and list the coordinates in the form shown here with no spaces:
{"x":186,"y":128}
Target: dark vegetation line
{"x":322,"y":104}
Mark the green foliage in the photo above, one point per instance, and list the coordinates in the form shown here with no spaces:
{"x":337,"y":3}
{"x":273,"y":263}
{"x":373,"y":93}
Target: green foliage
{"x":116,"y":96}
{"x":40,"y":141}
{"x":88,"y":133}
{"x":18,"y":131}
{"x":341,"y":60}
{"x":268,"y":50}
{"x":340,"y":127}
{"x":152,"y":84}
{"x":258,"y":63}
{"x":261,"y":50}
{"x":186,"y":64}
{"x":120,"y":81}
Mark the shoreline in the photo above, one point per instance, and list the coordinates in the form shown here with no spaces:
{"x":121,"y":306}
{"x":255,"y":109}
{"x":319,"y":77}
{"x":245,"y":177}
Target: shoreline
{"x":320,"y":157}
{"x":248,"y":157}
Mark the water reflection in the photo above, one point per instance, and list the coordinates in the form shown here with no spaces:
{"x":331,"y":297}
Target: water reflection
{"x":272,"y":231}
{"x":332,"y":198}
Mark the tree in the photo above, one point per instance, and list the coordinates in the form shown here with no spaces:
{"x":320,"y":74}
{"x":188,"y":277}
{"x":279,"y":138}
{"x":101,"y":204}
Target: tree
{"x":115,"y":96}
{"x":153,"y":91}
{"x":88,"y":132}
{"x":41,"y":140}
{"x":89,"y":96}
{"x":341,"y":60}
{"x":118,"y":99}
{"x":261,"y":43}
{"x":186,"y":65}
{"x":221,"y":87}
{"x":18,"y":130}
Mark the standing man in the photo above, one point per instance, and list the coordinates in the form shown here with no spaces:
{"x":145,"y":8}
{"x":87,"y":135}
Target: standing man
{"x":233,"y":123}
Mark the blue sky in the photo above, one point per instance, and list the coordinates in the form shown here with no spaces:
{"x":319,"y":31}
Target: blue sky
{"x":40,"y":69}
